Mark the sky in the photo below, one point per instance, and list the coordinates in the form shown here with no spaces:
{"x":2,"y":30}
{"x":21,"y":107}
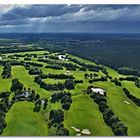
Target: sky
{"x":70,"y":18}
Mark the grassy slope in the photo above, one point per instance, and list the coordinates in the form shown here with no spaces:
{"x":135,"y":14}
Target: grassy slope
{"x":5,"y":84}
{"x":84,"y":114}
{"x":83,"y":108}
{"x":129,"y":114}
{"x":28,"y":80}
{"x":22,"y":121}
{"x":132,"y":88}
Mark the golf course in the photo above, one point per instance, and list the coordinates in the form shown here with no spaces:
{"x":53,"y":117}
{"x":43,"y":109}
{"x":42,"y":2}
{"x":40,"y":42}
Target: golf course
{"x":46,"y":93}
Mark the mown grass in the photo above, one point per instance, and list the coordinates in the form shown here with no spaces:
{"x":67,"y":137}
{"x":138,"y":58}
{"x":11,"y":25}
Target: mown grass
{"x":22,"y":121}
{"x":5,"y":84}
{"x":28,"y":80}
{"x":128,"y":113}
{"x":84,"y":113}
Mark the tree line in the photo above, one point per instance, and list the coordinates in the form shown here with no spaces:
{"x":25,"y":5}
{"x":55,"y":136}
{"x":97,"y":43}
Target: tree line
{"x":68,"y":66}
{"x":56,"y":76}
{"x":128,"y":71}
{"x":6,"y":73}
{"x":132,"y":78}
{"x":131,"y":97}
{"x":64,"y":98}
{"x":4,"y":107}
{"x":118,"y":128}
{"x":56,"y":118}
{"x":68,"y":84}
{"x":23,"y":94}
{"x":86,"y":66}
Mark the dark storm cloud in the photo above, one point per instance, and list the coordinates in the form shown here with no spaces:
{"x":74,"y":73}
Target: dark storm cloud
{"x":36,"y":11}
{"x":86,"y":17}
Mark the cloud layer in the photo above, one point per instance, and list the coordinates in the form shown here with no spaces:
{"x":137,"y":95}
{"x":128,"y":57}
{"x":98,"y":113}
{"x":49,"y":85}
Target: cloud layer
{"x":69,"y":18}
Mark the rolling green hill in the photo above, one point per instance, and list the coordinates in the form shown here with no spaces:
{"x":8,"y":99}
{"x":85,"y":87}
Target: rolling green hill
{"x":83,"y":113}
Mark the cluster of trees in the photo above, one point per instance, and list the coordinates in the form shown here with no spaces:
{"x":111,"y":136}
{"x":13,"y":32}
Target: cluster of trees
{"x":12,"y":57}
{"x":26,"y":55}
{"x":91,"y":75}
{"x":31,"y":55}
{"x":116,"y":81}
{"x":56,"y":118}
{"x":129,"y":78}
{"x":38,"y":103}
{"x":16,"y":63}
{"x":68,"y":84}
{"x":23,"y":94}
{"x":57,"y":67}
{"x":56,"y":76}
{"x":64,"y":98}
{"x":6,"y":70}
{"x":18,"y":49}
{"x":16,"y":85}
{"x":137,"y":83}
{"x":35,"y":64}
{"x":128,"y":71}
{"x":4,"y":107}
{"x":118,"y":128}
{"x":78,"y":81}
{"x":58,"y":86}
{"x":104,"y":70}
{"x":87,"y":66}
{"x":48,"y":61}
{"x":12,"y":62}
{"x":27,"y":58}
{"x":2,"y":120}
{"x":68,"y":66}
{"x":98,"y":79}
{"x":19,"y":55}
{"x":131,"y":97}
{"x":34,"y":71}
{"x":82,"y":68}
{"x":52,"y":57}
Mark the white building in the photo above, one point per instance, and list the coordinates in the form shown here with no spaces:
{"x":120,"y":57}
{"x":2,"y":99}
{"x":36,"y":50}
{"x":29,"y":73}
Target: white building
{"x":98,"y":90}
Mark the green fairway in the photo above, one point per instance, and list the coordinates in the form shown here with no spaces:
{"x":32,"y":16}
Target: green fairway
{"x":5,"y":84}
{"x":28,"y":80}
{"x":128,"y":113}
{"x":132,"y":88}
{"x":22,"y":121}
{"x":83,"y":113}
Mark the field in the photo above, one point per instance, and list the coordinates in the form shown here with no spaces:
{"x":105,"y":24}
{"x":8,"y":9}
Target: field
{"x":24,"y":122}
{"x":83,"y":113}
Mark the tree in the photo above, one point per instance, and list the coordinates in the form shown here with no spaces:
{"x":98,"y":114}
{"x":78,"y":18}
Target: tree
{"x":69,"y":84}
{"x":16,"y":85}
{"x":46,"y":103}
{"x":37,"y":97}
{"x":56,"y":116}
{"x":103,"y":106}
{"x":61,"y":131}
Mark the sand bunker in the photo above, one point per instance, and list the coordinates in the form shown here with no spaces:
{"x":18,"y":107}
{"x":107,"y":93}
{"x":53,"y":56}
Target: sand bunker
{"x":67,"y":72}
{"x":86,"y":132}
{"x":126,"y":102}
{"x":98,"y":90}
{"x":75,"y":129}
{"x":62,"y":57}
{"x":79,"y":134}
